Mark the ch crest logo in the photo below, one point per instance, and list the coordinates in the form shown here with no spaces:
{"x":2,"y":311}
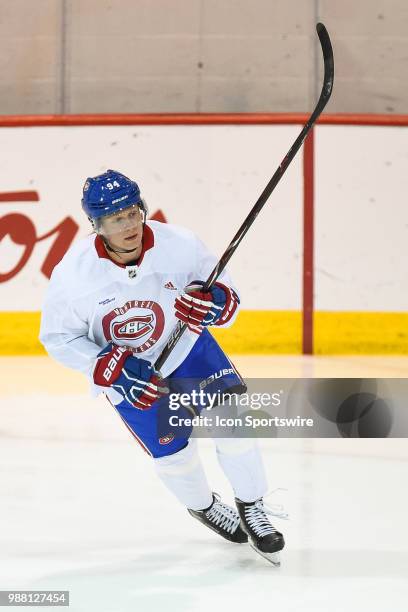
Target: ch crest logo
{"x":133,"y":328}
{"x":166,"y":439}
{"x":139,"y":324}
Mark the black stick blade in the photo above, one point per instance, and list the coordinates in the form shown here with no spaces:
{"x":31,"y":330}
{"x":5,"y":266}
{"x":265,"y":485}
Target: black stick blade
{"x":328,"y":59}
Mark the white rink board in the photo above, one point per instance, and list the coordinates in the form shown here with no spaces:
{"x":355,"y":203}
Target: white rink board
{"x":361,"y":216}
{"x":204,"y":177}
{"x":207,"y":178}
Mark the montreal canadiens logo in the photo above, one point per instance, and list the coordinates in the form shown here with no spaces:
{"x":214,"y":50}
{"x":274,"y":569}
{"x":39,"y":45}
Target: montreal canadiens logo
{"x":166,"y":439}
{"x":139,"y":322}
{"x":133,"y":328}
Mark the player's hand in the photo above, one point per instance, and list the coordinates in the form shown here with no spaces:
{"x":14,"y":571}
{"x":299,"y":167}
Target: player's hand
{"x":134,"y":378}
{"x":200,"y":309}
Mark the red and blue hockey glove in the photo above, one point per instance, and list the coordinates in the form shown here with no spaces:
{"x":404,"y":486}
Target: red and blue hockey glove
{"x":134,"y":378}
{"x":200,"y":309}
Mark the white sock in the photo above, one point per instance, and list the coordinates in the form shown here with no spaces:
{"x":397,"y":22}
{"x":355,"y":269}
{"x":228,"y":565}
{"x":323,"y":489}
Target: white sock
{"x":241,"y":461}
{"x":184,"y":476}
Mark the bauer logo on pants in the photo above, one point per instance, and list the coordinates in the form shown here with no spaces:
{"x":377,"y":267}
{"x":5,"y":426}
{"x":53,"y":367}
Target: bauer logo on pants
{"x":139,"y":322}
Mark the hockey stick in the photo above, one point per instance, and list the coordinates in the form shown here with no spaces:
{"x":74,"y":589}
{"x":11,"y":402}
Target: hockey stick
{"x":323,"y":99}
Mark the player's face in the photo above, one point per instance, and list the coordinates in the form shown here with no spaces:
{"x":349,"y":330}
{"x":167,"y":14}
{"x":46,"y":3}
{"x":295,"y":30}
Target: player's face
{"x":125,"y":228}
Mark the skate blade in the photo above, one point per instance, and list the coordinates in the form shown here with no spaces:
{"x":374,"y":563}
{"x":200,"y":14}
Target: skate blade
{"x":273,"y":558}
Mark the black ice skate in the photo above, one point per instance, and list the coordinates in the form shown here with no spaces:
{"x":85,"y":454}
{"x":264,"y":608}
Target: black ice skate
{"x":223,"y":519}
{"x":263,"y":537}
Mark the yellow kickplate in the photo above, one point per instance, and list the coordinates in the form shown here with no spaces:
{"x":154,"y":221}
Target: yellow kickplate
{"x":259,"y":332}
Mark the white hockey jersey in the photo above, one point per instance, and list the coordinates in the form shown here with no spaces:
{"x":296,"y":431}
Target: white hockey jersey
{"x":91,"y":300}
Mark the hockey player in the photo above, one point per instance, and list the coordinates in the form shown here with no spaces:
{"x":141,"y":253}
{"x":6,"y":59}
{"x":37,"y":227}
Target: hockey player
{"x":112,"y":303}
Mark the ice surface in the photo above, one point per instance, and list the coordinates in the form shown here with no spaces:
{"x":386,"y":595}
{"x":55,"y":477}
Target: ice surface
{"x":82,"y":510}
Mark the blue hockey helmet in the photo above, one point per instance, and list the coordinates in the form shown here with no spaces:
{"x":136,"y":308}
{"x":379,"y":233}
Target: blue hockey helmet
{"x":109,"y":193}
